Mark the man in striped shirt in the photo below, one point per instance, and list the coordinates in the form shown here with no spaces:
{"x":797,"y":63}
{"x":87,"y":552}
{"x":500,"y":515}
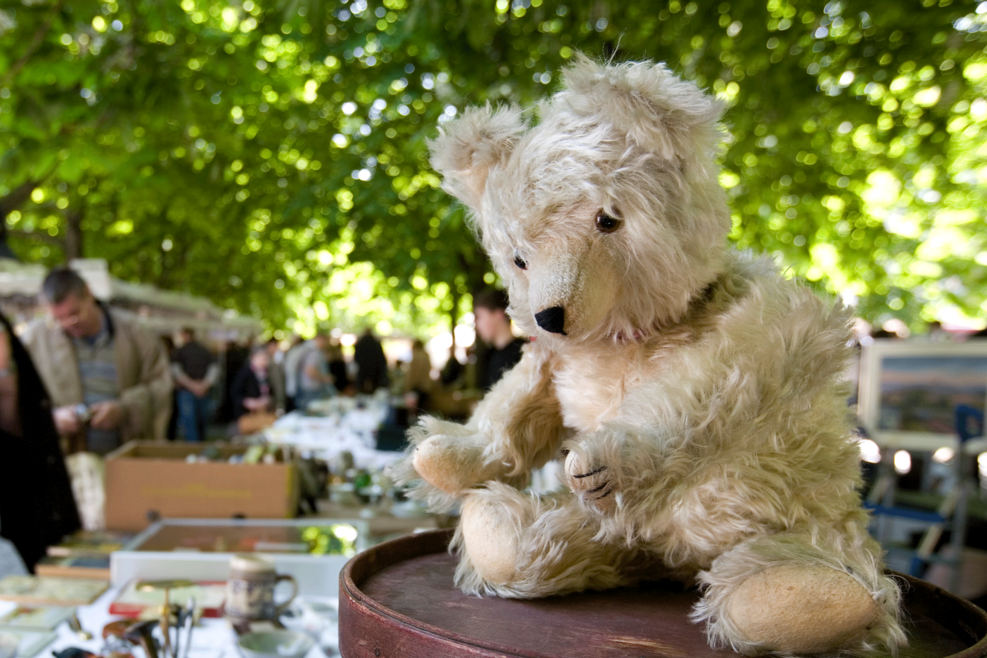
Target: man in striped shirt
{"x":109,"y":380}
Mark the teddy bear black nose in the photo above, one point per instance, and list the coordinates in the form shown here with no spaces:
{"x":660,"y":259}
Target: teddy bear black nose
{"x":552,"y":319}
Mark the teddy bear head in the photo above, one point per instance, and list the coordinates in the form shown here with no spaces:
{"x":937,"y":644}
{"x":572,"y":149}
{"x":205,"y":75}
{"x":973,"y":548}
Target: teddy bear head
{"x":606,"y":217}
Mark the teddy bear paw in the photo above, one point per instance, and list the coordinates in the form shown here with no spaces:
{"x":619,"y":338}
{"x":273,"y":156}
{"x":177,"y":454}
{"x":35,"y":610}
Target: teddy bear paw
{"x":591,"y":481}
{"x":453,"y":463}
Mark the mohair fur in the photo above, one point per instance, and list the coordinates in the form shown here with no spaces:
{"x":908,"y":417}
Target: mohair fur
{"x":696,"y":395}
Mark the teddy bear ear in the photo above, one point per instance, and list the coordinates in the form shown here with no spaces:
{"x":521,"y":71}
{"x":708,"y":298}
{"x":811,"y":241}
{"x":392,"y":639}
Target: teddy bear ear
{"x":657,"y":110}
{"x":467,"y":148}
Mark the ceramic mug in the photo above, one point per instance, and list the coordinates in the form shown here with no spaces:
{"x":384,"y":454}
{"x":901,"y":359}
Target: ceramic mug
{"x":250,"y":589}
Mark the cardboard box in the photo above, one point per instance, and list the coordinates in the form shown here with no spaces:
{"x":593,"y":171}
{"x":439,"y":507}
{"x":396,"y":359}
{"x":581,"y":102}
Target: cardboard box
{"x":147,"y":478}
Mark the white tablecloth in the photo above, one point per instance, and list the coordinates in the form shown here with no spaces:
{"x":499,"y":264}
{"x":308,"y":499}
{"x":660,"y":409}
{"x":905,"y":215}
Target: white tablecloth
{"x":213,"y":638}
{"x":327,"y":436}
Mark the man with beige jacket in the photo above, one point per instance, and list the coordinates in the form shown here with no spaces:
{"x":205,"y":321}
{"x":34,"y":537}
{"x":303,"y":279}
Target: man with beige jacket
{"x":109,"y":380}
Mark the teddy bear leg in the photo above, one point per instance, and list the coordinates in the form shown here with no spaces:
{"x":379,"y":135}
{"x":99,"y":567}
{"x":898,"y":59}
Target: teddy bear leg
{"x":518,"y":545}
{"x":801,"y":609}
{"x":810,"y":593}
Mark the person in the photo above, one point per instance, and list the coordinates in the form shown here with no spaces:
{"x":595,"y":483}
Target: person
{"x":236,"y":356}
{"x":195,"y":371}
{"x":275,"y":373}
{"x":109,"y":380}
{"x":37,"y":508}
{"x":451,"y":376}
{"x":419,"y":376}
{"x":494,"y":327}
{"x":292,"y":358}
{"x":337,"y":367}
{"x":314,"y":378}
{"x":251,"y":390}
{"x":169,"y":347}
{"x":371,"y":364}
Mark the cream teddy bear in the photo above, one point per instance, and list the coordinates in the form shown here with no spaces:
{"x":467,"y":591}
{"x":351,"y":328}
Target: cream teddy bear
{"x":695,"y":393}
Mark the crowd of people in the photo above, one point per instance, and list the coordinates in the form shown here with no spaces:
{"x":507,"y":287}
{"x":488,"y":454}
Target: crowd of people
{"x":85,"y":378}
{"x":260,"y":382}
{"x":265,"y":381}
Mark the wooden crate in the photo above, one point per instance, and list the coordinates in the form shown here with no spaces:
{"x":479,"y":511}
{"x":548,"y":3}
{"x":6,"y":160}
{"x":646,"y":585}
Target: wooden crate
{"x":148,"y":478}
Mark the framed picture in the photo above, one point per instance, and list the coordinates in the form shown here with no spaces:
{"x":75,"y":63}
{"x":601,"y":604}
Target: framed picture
{"x":909,"y":391}
{"x":313,"y":550}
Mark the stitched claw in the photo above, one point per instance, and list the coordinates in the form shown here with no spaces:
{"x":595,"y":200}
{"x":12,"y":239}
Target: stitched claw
{"x":591,"y":483}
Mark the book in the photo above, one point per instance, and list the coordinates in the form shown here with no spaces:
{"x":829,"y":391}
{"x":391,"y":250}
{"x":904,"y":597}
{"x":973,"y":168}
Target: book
{"x":41,"y":590}
{"x":29,"y":643}
{"x":35,"y":618}
{"x":80,"y":566}
{"x":208,"y":595}
{"x":94,"y":543}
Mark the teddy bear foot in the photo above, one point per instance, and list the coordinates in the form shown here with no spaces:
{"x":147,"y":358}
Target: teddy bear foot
{"x":801,"y":609}
{"x":491,"y":539}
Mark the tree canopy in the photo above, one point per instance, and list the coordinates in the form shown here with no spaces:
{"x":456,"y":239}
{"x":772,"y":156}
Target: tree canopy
{"x":271,"y":155}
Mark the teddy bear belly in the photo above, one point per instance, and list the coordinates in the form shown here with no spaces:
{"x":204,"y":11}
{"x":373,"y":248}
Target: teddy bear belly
{"x":592,"y":388}
{"x":685,"y":548}
{"x":690,"y":521}
{"x":688,"y":543}
{"x":588,"y":397}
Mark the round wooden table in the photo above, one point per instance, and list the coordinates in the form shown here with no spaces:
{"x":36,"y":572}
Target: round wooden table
{"x":397,"y":600}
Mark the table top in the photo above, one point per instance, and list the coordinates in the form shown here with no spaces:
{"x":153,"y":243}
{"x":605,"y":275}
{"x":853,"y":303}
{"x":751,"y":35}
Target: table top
{"x":215,"y":638}
{"x":399,"y":597}
{"x":212,"y":638}
{"x":383,"y":523}
{"x":327,"y":436}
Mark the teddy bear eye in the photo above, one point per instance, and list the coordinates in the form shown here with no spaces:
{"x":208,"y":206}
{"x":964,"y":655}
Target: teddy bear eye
{"x":605,"y":223}
{"x":520,"y":263}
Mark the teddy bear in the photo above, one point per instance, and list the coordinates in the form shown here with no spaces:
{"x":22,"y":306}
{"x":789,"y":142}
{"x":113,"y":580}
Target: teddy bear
{"x":694,"y":395}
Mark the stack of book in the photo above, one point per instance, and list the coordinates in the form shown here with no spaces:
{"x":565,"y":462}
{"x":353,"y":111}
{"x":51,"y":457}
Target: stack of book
{"x":83,"y":555}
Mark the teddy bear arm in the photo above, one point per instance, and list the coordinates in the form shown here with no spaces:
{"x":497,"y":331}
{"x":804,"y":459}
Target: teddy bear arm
{"x":523,"y":416}
{"x":442,"y":458}
{"x":517,"y":427}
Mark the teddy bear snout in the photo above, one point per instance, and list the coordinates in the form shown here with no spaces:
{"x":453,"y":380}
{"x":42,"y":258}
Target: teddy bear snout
{"x":552,"y":319}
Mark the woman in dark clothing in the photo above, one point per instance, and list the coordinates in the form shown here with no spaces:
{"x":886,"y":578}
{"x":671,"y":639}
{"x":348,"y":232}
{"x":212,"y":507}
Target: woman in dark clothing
{"x":371,"y":364}
{"x":37,"y":508}
{"x":337,"y":367}
{"x":251,"y":390}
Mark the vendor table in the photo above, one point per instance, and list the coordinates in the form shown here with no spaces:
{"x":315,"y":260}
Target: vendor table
{"x":213,"y":638}
{"x":325,"y":437}
{"x":397,"y":600}
{"x":382,"y":521}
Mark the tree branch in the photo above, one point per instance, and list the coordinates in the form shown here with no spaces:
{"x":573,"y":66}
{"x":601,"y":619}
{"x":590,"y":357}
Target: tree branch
{"x":16,"y":197}
{"x":40,"y":235}
{"x":36,"y":42}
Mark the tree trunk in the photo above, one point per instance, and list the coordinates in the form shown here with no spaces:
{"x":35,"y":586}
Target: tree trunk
{"x":73,"y":235}
{"x":454,"y":318}
{"x":14,"y":199}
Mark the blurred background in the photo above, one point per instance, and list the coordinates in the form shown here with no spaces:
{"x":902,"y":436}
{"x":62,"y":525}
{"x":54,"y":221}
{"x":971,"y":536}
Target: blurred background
{"x":270,"y":156}
{"x":267,"y":285}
